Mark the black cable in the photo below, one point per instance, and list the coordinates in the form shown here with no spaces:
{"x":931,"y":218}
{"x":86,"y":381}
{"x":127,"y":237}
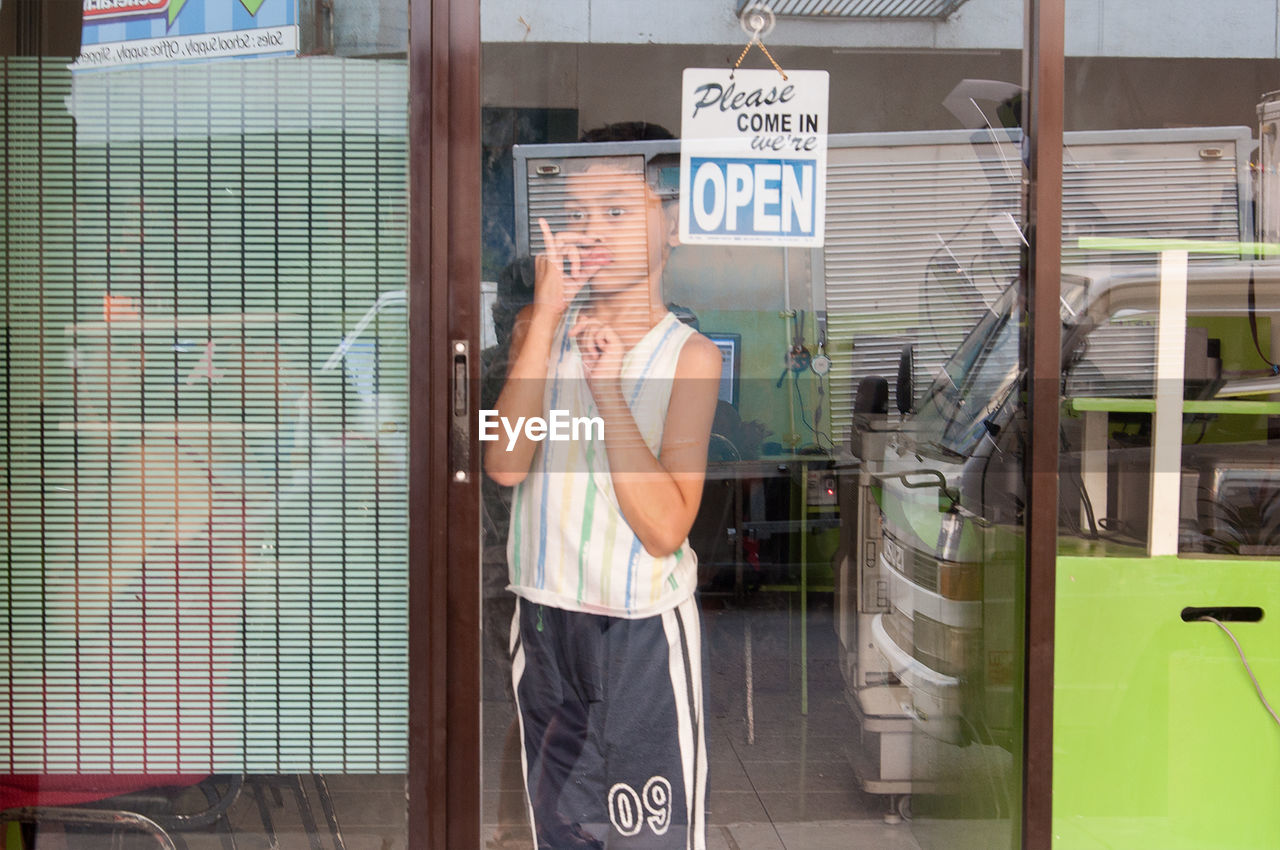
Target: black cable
{"x":817,"y":435}
{"x":1204,"y":426}
{"x":1253,"y":325}
{"x":1097,"y":525}
{"x":1077,"y":481}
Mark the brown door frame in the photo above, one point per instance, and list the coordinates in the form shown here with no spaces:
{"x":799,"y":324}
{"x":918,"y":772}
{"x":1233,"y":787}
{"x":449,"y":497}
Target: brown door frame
{"x":444,"y":521}
{"x":444,"y":513}
{"x":1043,"y":78}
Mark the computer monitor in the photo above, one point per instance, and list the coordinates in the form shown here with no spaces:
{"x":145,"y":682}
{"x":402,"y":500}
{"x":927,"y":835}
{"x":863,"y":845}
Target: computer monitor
{"x":730,"y":346}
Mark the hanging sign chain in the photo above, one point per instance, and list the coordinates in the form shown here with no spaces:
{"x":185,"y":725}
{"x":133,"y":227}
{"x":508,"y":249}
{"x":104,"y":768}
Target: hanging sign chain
{"x":759,"y":18}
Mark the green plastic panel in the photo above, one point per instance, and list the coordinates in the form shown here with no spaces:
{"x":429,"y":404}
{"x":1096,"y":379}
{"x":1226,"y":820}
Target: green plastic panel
{"x":1148,"y":405}
{"x":1159,"y":737}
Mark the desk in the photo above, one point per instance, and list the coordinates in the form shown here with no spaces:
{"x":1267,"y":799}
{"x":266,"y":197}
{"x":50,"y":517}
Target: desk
{"x":729,"y":516}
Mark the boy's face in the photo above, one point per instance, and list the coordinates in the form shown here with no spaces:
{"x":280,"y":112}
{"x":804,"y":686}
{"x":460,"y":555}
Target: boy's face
{"x":618,"y":225}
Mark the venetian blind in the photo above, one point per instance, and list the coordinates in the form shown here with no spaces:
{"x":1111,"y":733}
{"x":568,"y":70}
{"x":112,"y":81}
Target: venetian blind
{"x":204,"y":408}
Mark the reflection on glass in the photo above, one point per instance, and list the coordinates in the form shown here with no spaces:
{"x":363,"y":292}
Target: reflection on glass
{"x":852,"y":675}
{"x":1168,"y":473}
{"x":204,"y":446}
{"x":858,"y":547}
{"x":1111,"y":378}
{"x":958,"y":409}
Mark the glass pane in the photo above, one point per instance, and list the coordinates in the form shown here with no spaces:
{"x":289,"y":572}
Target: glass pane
{"x":205,"y":372}
{"x":1170,"y":488}
{"x":773,"y":595}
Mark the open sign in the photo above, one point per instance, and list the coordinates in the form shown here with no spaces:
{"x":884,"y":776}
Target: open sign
{"x":756,"y":197}
{"x":753,"y":157}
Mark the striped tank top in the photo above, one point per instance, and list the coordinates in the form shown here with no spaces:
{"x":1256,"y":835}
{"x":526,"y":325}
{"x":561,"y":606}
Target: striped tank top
{"x":569,"y":545}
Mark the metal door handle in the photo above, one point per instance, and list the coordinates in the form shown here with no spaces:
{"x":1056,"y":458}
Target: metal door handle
{"x":459,"y":395}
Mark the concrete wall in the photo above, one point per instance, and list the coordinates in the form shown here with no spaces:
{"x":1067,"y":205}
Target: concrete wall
{"x":642,"y":82}
{"x":1242,"y":29}
{"x":1152,"y":28}
{"x":876,"y":90}
{"x":1113,"y":93}
{"x":367,"y":27}
{"x":981,"y":24}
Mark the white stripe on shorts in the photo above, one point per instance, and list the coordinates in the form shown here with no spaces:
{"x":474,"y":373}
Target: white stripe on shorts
{"x":684,"y":661}
{"x":517,"y":672}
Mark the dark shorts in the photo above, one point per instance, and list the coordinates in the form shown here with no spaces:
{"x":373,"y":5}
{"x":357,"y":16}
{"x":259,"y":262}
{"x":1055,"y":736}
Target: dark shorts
{"x":611,"y":721}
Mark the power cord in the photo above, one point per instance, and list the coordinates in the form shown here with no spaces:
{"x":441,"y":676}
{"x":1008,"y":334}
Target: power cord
{"x":818,"y":436}
{"x":1247,"y":668}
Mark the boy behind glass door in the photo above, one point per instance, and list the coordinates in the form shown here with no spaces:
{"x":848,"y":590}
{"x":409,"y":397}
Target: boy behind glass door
{"x":606,"y":636}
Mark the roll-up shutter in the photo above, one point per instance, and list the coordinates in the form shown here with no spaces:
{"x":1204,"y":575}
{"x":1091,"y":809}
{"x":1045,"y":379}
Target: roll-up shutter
{"x":921,"y":230}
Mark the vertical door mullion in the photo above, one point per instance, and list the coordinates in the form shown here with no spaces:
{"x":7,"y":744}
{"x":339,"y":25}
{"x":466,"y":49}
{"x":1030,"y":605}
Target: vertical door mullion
{"x":1044,"y":75}
{"x":444,"y":536}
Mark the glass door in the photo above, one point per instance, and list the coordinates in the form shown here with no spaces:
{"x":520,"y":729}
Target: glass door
{"x":752,"y":424}
{"x":1170,"y":512}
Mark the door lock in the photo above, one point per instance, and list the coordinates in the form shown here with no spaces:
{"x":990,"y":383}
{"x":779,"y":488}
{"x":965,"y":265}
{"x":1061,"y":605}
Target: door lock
{"x":460,"y":432}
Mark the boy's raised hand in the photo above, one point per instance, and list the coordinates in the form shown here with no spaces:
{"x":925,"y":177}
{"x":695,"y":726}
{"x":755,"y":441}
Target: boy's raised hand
{"x":553,"y":287}
{"x":601,"y":351}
